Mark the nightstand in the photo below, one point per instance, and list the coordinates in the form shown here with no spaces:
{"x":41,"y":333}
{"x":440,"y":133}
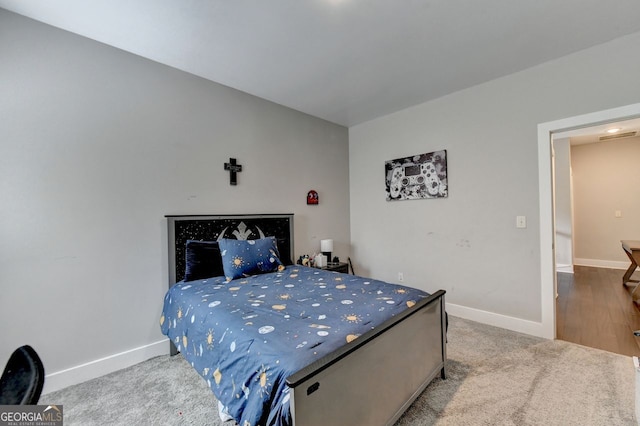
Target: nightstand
{"x":337,"y":267}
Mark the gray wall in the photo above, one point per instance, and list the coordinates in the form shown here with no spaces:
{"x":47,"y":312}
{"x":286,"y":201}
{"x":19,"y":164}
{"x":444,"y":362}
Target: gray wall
{"x":563,"y":205}
{"x":97,"y":146}
{"x":606,"y":178}
{"x":468,"y":243}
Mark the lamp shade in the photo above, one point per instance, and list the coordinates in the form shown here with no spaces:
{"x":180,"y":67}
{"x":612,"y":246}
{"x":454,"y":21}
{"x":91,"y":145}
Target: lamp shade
{"x":326,"y":245}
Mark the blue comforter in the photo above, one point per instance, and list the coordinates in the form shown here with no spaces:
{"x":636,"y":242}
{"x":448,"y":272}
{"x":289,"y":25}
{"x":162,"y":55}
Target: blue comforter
{"x":245,"y":337}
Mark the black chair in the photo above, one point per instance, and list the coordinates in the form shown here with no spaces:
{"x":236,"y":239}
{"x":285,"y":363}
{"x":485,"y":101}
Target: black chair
{"x":23,"y":377}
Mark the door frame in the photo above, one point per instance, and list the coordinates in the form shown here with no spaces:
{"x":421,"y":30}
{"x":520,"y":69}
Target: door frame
{"x":547,"y":226}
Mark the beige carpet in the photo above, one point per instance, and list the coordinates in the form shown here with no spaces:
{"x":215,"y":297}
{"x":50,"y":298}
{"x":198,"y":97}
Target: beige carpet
{"x":496,"y":377}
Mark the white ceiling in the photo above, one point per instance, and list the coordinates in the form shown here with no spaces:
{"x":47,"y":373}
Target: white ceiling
{"x":346,"y":61}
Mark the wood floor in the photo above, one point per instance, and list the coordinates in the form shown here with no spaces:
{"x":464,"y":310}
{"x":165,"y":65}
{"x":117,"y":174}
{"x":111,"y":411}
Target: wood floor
{"x":594,"y":309}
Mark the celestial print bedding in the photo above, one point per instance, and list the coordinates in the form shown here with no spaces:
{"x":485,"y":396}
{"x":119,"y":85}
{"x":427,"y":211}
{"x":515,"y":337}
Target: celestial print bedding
{"x":246,"y":336}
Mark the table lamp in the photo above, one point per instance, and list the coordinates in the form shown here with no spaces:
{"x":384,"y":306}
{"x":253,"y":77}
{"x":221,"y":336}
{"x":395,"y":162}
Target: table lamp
{"x":326,"y":247}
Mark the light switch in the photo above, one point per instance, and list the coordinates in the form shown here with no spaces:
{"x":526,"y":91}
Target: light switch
{"x":618,"y":213}
{"x":521,"y":221}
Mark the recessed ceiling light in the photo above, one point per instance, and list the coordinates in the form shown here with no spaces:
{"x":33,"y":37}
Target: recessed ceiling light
{"x":614,"y":130}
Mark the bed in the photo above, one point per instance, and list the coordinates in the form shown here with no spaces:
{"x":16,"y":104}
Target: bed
{"x":296,"y":345}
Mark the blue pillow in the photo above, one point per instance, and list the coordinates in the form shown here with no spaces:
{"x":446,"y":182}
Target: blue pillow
{"x":249,"y":257}
{"x":202,"y":260}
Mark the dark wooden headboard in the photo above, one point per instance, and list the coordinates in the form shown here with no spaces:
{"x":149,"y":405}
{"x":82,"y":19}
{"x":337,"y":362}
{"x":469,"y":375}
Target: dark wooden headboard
{"x":215,"y":227}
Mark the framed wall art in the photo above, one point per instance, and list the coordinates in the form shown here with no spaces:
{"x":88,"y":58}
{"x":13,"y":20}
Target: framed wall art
{"x":313,"y":198}
{"x":417,"y":177}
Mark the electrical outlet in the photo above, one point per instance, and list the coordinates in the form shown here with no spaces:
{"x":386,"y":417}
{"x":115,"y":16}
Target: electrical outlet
{"x":618,"y":213}
{"x":400,"y":276}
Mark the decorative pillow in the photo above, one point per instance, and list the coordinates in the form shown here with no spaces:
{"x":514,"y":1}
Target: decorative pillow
{"x":249,"y":257}
{"x":202,"y":260}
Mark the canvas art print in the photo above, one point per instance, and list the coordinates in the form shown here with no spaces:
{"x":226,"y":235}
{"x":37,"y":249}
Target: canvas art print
{"x":417,"y":177}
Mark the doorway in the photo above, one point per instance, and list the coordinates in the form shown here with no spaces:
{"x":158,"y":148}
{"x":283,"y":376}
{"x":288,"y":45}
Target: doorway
{"x":594,"y":210}
{"x":546,"y":131}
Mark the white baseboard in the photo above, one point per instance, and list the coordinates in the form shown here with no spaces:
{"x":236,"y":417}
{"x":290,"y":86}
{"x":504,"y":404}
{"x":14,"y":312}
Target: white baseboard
{"x":93,"y":369}
{"x":597,"y":263}
{"x":90,"y":370}
{"x":564,"y":268}
{"x":497,"y":320}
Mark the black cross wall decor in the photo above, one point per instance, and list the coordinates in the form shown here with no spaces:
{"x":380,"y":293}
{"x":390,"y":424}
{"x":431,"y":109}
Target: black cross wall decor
{"x":233,"y":168}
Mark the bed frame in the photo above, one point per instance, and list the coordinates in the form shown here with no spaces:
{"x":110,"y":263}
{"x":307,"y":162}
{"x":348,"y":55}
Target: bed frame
{"x":371,"y":380}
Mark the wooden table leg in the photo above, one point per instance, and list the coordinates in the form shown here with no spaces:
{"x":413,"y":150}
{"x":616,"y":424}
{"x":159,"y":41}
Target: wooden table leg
{"x":630,"y":271}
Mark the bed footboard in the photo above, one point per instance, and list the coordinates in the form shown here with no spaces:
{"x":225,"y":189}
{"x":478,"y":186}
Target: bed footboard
{"x":374,"y":379}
